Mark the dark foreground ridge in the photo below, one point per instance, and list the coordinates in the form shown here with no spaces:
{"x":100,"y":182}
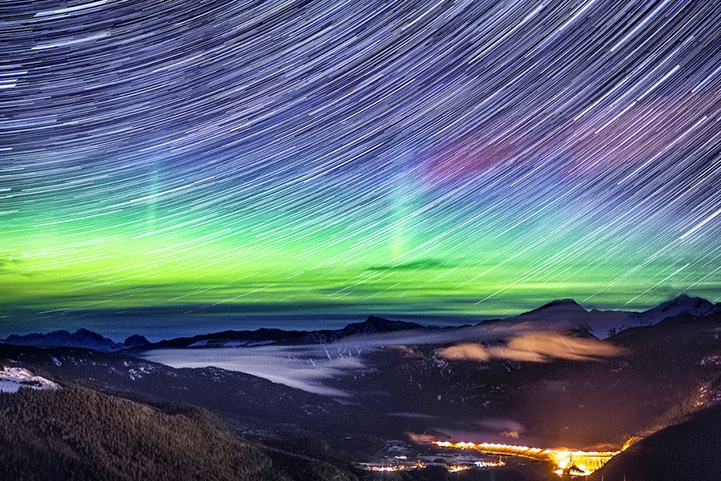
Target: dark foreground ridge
{"x":686,"y":451}
{"x":80,"y":434}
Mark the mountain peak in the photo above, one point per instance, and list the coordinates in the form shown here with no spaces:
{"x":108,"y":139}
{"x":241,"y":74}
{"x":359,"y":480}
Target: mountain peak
{"x":136,"y":340}
{"x":83,"y":333}
{"x":680,"y":305}
{"x":686,"y":302}
{"x":375,"y":320}
{"x":563,"y":304}
{"x":374,"y":325}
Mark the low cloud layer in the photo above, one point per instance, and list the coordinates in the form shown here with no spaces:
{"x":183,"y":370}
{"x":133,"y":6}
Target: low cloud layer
{"x":540,"y":346}
{"x":302,"y":367}
{"x":312,"y":367}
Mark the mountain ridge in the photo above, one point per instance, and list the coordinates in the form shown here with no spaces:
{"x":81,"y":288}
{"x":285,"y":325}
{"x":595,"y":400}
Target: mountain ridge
{"x":601,"y":323}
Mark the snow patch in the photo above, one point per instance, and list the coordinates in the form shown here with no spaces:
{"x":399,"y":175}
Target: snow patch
{"x":13,"y":378}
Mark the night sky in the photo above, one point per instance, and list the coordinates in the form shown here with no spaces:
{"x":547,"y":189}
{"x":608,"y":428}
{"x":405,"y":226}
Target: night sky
{"x":429,"y":158}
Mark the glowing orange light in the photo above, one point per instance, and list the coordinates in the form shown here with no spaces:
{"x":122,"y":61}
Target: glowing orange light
{"x":575,"y":462}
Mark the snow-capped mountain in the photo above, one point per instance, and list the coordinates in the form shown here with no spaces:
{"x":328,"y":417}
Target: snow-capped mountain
{"x":563,"y":312}
{"x":683,"y":304}
{"x":567,"y":311}
{"x":602,"y":324}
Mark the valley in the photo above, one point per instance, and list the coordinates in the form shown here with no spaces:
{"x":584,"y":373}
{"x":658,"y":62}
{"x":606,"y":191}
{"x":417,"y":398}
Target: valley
{"x":394,"y":398}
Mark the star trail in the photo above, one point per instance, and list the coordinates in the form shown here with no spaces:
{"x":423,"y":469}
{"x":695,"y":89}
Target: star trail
{"x":444,"y":158}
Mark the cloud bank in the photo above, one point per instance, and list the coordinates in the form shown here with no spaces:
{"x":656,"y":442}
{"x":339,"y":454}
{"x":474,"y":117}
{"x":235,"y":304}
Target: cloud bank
{"x":541,"y":346}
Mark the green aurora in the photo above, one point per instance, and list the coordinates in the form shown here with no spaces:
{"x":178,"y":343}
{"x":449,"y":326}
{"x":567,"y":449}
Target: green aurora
{"x":442,"y":161}
{"x":137,"y":258}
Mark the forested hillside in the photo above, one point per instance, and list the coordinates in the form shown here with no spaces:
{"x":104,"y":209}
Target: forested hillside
{"x":79,"y":434}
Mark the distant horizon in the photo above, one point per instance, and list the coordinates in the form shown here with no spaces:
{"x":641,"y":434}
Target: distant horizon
{"x":181,"y":321}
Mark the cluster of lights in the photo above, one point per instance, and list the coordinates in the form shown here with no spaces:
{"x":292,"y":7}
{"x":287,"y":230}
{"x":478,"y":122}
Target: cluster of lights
{"x":563,"y":459}
{"x":395,"y":467}
{"x":494,"y":447}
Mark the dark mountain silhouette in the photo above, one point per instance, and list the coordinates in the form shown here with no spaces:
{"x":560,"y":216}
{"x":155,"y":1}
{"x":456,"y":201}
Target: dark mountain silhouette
{"x":563,"y":311}
{"x":136,"y":340}
{"x":80,"y":338}
{"x":372,"y":325}
{"x":685,"y":451}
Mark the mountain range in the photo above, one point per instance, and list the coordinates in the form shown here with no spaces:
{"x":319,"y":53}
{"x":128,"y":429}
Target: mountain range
{"x":542,"y":378}
{"x":80,"y":338}
{"x":563,"y":312}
